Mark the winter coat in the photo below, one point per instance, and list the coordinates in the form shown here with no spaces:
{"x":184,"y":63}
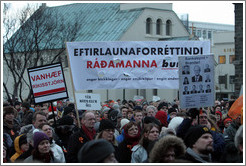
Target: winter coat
{"x":121,"y":137}
{"x":76,"y":141}
{"x":230,"y":132}
{"x":190,"y":155}
{"x":218,"y":145}
{"x":17,"y":149}
{"x":139,"y":154}
{"x":11,"y":129}
{"x":57,"y":152}
{"x":31,"y":160}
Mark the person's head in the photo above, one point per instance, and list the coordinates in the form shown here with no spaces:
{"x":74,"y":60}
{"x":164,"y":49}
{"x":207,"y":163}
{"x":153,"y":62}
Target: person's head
{"x":163,"y":106}
{"x":25,"y":106}
{"x":186,"y":80}
{"x":41,"y":142}
{"x":186,"y":88}
{"x":106,"y":130}
{"x":39,"y":117}
{"x":172,"y":112}
{"x":218,"y":116}
{"x":199,"y":139}
{"x":227,"y":122}
{"x":88,"y":119}
{"x":138,"y":116}
{"x":105,"y":111}
{"x":203,"y":118}
{"x":167,"y":149}
{"x":97,"y":151}
{"x":217,"y":108}
{"x":129,"y":114}
{"x":123,"y":122}
{"x":201,"y":87}
{"x":151,"y":132}
{"x":151,"y":111}
{"x":124,"y":110}
{"x":21,"y":143}
{"x":194,"y":87}
{"x":131,"y":129}
{"x":97,"y":116}
{"x":197,"y":70}
{"x":69,"y":111}
{"x":17,"y":105}
{"x":46,"y":128}
{"x":65,"y":125}
{"x":208,"y":86}
{"x":238,"y":139}
{"x":9,"y":113}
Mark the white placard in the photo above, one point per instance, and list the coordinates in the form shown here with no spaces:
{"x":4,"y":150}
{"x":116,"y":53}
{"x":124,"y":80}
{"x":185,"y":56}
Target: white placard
{"x":196,"y":84}
{"x":48,"y":83}
{"x":88,"y":101}
{"x":129,"y":64}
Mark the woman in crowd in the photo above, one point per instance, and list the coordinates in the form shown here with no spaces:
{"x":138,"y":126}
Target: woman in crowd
{"x":132,"y":136}
{"x":21,"y":145}
{"x":150,"y":134}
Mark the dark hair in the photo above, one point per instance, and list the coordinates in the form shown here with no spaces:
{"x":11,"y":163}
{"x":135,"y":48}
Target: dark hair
{"x":42,"y":125}
{"x":129,"y":125}
{"x":36,"y":113}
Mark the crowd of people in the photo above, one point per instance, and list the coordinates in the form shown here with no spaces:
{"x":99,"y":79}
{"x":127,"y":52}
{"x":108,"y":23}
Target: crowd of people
{"x":121,"y":132}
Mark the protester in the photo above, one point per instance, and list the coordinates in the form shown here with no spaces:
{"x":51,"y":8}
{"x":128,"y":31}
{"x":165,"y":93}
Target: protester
{"x":132,"y":136}
{"x":151,"y":110}
{"x":167,"y":149}
{"x":139,"y":152}
{"x":79,"y":138}
{"x":26,"y":114}
{"x":121,"y":137}
{"x":21,"y":146}
{"x":97,"y":151}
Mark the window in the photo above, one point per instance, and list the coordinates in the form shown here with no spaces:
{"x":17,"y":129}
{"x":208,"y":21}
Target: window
{"x":204,"y":34}
{"x":168,"y":27}
{"x":199,"y":33}
{"x":222,"y":79}
{"x":222,"y":59}
{"x":232,"y":58}
{"x":209,"y":35}
{"x":148,"y":26}
{"x":232,"y":79}
{"x":158,"y":27}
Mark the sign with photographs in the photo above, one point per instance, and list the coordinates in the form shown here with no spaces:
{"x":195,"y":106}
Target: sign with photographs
{"x":196,"y":83}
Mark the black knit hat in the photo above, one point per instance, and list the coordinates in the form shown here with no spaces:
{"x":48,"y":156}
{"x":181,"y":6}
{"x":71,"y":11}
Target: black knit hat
{"x":95,"y":151}
{"x":194,"y":133}
{"x":65,"y":120}
{"x":106,"y":124}
{"x":162,"y":104}
{"x":170,"y":110}
{"x":112,"y":115}
{"x":151,"y":119}
{"x":68,"y":110}
{"x":22,"y":140}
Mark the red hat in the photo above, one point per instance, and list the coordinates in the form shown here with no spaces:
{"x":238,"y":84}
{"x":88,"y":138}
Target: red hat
{"x":162,"y":116}
{"x":50,"y":109}
{"x":227,"y":120}
{"x":218,"y":112}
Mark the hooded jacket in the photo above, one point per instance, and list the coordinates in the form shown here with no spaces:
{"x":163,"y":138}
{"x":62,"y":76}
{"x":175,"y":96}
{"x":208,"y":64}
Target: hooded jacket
{"x":162,"y":146}
{"x":17,"y":149}
{"x":195,"y":158}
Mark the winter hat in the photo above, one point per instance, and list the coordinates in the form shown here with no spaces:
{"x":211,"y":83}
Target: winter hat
{"x":38,"y":137}
{"x":113,"y":116}
{"x":194,"y":133}
{"x":106,"y":124}
{"x":105,"y":109}
{"x":227,"y":120}
{"x":22,"y":139}
{"x":9,"y":110}
{"x":175,"y":122}
{"x":151,"y":119}
{"x":166,"y":131}
{"x":137,"y":108}
{"x":162,"y":117}
{"x":116,"y":107}
{"x":67,"y":110}
{"x":170,"y":110}
{"x":95,"y":151}
{"x":65,"y":120}
{"x":218,"y":112}
{"x":123,"y":122}
{"x":162,"y":104}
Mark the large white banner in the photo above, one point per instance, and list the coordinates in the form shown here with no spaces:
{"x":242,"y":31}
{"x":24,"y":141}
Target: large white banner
{"x":130,"y":64}
{"x":196,"y":83}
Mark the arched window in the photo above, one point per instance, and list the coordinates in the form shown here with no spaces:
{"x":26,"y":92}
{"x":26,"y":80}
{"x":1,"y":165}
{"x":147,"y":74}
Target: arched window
{"x":168,"y":27}
{"x":159,"y":27}
{"x":148,"y":25}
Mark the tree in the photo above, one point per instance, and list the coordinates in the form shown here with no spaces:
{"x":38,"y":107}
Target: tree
{"x":40,"y":30}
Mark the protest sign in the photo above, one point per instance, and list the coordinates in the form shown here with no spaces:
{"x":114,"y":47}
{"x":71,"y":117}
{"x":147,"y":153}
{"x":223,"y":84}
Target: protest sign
{"x":88,"y":101}
{"x":47,"y":83}
{"x":129,"y":64}
{"x":196,"y":84}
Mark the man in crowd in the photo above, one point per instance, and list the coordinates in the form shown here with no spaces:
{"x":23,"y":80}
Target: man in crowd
{"x":79,"y":138}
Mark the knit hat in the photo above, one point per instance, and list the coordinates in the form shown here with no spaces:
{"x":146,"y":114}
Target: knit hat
{"x":65,"y":120}
{"x":113,"y":116}
{"x":123,"y":122}
{"x":116,"y":107}
{"x":22,"y":140}
{"x":175,"y":122}
{"x":194,"y":133}
{"x":106,"y":124}
{"x":95,"y":151}
{"x":105,"y":109}
{"x":162,"y":117}
{"x":218,"y":112}
{"x":162,"y":104}
{"x":151,"y":119}
{"x":227,"y":120}
{"x":9,"y":110}
{"x":68,"y":110}
{"x":38,"y":137}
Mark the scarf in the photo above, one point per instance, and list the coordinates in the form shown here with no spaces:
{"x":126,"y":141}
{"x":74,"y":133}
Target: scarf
{"x":44,"y":158}
{"x":88,"y":133}
{"x":132,"y":140}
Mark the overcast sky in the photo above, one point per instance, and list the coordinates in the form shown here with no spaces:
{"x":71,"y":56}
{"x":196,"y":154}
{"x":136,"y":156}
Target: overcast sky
{"x":203,"y":11}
